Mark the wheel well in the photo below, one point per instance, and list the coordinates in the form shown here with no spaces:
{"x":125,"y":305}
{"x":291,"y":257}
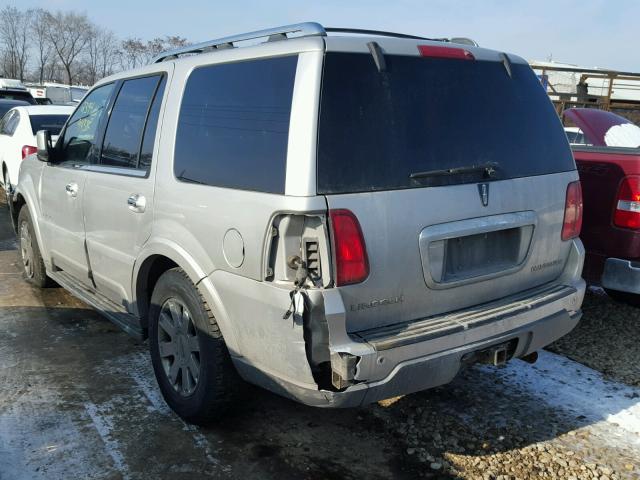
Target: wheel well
{"x":150,"y":271}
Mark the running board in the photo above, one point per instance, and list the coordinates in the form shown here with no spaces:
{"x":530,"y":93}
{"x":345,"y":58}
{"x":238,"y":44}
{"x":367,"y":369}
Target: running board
{"x":112,"y":311}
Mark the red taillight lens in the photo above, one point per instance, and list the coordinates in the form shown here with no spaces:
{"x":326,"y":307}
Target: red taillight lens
{"x":28,"y":150}
{"x":352,"y":264}
{"x":627,"y":214}
{"x":572,"y":212}
{"x":445,"y":52}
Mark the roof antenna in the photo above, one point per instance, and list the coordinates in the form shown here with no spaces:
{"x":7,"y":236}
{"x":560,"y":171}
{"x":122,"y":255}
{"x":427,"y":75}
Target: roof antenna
{"x":378,"y":56}
{"x":507,"y":64}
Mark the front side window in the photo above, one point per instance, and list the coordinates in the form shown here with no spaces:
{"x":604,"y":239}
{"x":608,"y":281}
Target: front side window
{"x":78,"y":145}
{"x":122,"y":140}
{"x":233,"y":127}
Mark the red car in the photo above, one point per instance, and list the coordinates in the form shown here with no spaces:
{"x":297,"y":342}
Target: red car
{"x":609,"y":166}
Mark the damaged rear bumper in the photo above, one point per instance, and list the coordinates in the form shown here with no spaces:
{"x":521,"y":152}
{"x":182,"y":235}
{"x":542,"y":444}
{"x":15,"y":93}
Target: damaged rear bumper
{"x":424,"y":354}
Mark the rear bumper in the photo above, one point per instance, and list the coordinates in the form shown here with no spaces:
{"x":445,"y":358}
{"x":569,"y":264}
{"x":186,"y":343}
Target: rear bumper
{"x":395,"y":364}
{"x":621,"y":275}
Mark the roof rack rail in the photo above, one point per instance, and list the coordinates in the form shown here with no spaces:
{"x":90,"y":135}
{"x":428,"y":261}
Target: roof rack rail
{"x":309,"y":29}
{"x":380,"y":33}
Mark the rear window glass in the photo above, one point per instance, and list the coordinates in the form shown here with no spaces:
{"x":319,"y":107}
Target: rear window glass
{"x":15,"y":95}
{"x":233,"y":128}
{"x":53,"y":123}
{"x":427,"y":115}
{"x":6,"y":106}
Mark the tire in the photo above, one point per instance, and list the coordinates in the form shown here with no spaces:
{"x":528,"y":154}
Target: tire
{"x":201,"y":385}
{"x":7,"y":193}
{"x":624,"y":297}
{"x":33,"y":267}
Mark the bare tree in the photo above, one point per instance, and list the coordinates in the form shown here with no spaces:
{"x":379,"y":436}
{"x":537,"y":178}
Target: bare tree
{"x":102,"y":49}
{"x":132,"y":53}
{"x":40,"y":45}
{"x":69,"y":34}
{"x":43,"y":46}
{"x":135,"y":53}
{"x":13,"y":37}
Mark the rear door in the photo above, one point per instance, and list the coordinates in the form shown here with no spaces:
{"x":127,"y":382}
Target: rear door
{"x":63,"y":185}
{"x":118,"y":204}
{"x":457,"y":171}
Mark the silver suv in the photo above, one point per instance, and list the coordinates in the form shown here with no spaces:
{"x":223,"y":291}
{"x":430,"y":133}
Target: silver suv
{"x":337,"y":216}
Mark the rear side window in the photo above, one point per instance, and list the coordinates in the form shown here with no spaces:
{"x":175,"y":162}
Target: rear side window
{"x":425,"y":115}
{"x":122,"y":140}
{"x":53,"y":123}
{"x":149,"y":138}
{"x":234,"y":125}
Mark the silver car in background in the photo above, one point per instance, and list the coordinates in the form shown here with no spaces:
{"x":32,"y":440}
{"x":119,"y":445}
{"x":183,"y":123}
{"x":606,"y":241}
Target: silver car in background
{"x":303,"y":214}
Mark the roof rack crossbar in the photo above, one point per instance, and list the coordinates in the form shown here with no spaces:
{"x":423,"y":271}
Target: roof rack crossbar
{"x":309,"y":29}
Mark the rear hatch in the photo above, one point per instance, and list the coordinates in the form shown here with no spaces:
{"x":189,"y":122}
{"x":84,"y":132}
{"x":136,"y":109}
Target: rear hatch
{"x":456,"y":170}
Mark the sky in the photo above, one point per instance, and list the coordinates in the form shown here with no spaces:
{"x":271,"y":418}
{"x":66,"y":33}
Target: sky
{"x":589,"y":33}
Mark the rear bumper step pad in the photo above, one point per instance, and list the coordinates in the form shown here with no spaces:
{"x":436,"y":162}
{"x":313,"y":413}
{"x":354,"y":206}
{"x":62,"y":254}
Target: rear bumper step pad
{"x":406,"y":333}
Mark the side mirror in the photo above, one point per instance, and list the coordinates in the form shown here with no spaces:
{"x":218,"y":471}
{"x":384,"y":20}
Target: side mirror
{"x":45,"y":147}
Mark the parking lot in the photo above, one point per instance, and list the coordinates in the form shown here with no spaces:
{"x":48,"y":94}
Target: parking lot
{"x":79,"y":400}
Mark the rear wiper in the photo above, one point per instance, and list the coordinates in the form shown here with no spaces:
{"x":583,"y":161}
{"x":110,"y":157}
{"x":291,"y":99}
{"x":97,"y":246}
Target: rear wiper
{"x":488,"y":169}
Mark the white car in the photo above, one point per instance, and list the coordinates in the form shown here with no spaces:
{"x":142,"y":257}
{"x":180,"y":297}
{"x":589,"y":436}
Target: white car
{"x":18,"y":129}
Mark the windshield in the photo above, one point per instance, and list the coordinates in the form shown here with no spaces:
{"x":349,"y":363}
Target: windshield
{"x":379,"y":129}
{"x":53,"y":123}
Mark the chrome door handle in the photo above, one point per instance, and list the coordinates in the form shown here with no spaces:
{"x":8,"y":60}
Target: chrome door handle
{"x":72,"y":189}
{"x":137,"y":203}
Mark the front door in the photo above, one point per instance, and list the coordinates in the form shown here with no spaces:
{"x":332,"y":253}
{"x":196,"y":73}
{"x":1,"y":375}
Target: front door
{"x":118,"y":207}
{"x":63,"y":186}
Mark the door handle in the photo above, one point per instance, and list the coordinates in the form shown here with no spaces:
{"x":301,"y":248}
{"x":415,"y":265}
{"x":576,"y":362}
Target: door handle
{"x":137,"y":203}
{"x":72,"y":189}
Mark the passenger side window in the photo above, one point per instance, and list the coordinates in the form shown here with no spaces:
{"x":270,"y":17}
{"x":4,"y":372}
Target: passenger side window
{"x":123,"y":137}
{"x":78,"y":145}
{"x":233,"y":128}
